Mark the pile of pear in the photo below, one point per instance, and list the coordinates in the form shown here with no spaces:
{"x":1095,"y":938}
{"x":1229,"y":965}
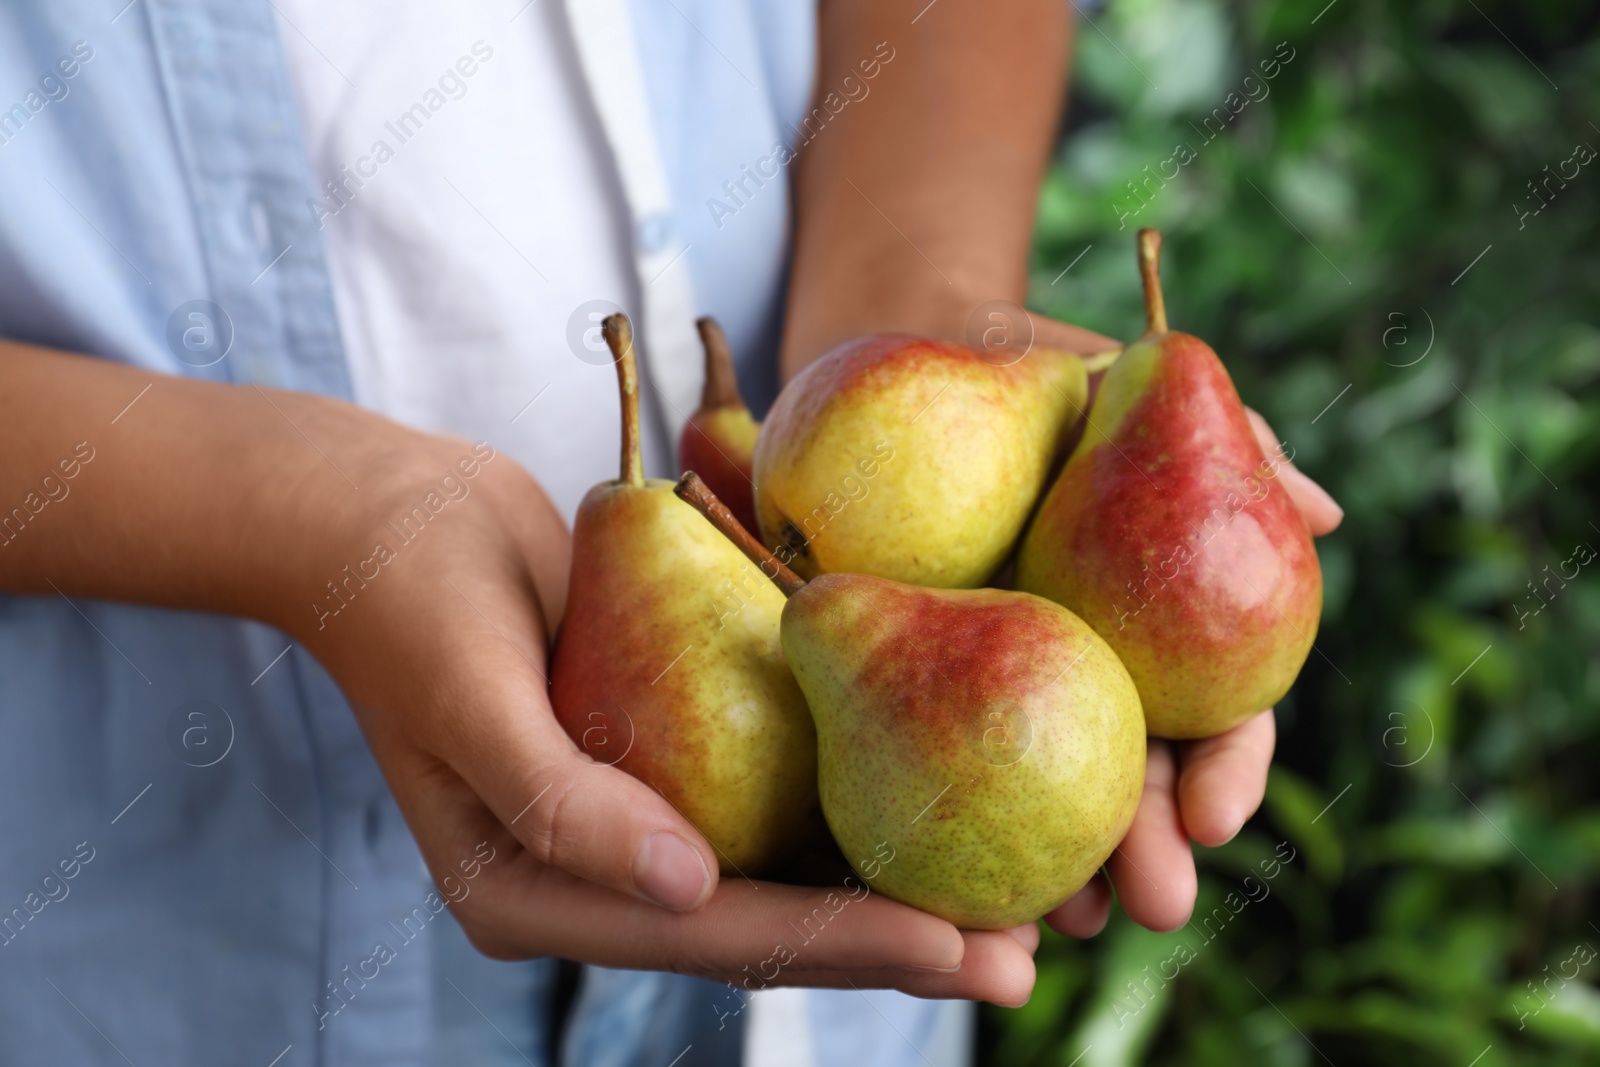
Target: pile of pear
{"x":802,"y":620}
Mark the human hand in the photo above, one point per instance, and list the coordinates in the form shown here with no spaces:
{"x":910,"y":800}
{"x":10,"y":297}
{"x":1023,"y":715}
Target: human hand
{"x":443,"y":657}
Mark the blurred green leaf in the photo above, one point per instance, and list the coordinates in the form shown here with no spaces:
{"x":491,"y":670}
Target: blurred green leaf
{"x":1359,"y":246}
{"x":1126,"y":1007}
{"x":1301,"y":809}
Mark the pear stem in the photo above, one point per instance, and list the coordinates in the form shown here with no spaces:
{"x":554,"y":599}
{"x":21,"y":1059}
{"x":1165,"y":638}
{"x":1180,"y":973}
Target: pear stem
{"x":1155,"y":308}
{"x":722,"y":384}
{"x":699,"y":496}
{"x":618,"y":333}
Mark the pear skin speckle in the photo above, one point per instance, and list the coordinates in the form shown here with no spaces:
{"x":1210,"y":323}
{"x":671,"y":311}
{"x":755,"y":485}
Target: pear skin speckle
{"x":912,"y":459}
{"x":1169,"y":532}
{"x":989,"y":739}
{"x":669,"y":666}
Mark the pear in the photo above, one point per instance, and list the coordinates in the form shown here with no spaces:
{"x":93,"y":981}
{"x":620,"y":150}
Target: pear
{"x":980,"y":752}
{"x":719,"y":440}
{"x":669,"y":665}
{"x":1168,"y":533}
{"x":911,"y":459}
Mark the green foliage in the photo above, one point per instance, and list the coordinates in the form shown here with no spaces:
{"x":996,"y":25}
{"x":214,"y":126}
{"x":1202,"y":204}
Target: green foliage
{"x":1354,"y":246}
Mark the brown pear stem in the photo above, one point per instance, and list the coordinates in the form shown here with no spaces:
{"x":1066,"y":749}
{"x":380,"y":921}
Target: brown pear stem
{"x":722,"y":384}
{"x":699,"y":496}
{"x":1155,"y":308}
{"x":618,"y":333}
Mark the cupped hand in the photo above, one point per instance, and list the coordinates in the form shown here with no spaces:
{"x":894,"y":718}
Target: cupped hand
{"x":540,"y":850}
{"x":1201,"y":791}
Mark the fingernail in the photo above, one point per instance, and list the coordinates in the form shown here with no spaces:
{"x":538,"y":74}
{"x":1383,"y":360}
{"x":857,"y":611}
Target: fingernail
{"x":937,"y":955}
{"x":669,"y":871}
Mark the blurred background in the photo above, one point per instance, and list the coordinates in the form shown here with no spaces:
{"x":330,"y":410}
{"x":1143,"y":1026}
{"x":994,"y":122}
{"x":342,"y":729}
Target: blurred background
{"x":1389,"y":235}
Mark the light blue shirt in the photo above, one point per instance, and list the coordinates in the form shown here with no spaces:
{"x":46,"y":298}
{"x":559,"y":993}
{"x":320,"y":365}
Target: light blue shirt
{"x":199,"y":850}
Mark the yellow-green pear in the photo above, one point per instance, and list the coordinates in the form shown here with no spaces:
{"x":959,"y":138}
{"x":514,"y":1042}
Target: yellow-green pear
{"x":1169,"y":533}
{"x":911,"y":459}
{"x":980,"y":752}
{"x":669,"y":664}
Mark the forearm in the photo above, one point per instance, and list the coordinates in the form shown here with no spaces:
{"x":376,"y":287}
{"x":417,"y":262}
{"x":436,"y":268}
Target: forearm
{"x":915,"y":204}
{"x":185,"y":494}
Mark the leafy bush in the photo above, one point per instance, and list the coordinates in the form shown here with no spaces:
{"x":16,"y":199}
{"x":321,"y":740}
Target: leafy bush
{"x":1357,"y":237}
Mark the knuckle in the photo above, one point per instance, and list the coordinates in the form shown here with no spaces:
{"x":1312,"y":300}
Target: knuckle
{"x":677,"y":960}
{"x":556,"y":837}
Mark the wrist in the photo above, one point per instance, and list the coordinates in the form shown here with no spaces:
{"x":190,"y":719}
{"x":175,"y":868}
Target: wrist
{"x":317,"y":513}
{"x":427,"y":507}
{"x":938,"y":311}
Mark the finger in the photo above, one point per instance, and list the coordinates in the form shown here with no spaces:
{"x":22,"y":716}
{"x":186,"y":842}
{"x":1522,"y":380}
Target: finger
{"x":1085,"y":914}
{"x":750,"y":928}
{"x":521,"y":907}
{"x":595,"y":821}
{"x":839,"y":937}
{"x":1050,"y":333}
{"x":1321,"y":512}
{"x":501,"y":741}
{"x":992,"y":970}
{"x":1153,"y":869}
{"x":500,"y":734}
{"x":1224,"y":778}
{"x":1026,"y":935}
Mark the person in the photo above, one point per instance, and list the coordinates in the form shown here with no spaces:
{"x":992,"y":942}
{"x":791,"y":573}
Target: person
{"x":301,"y":387}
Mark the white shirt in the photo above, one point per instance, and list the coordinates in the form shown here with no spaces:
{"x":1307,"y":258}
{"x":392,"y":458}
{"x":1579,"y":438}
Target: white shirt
{"x":459,"y":257}
{"x":474,"y":209}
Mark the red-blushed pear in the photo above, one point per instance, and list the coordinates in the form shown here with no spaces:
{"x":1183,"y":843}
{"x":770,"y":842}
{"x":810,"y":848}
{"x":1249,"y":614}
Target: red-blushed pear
{"x":912,"y":459}
{"x":1169,"y":534}
{"x":980,"y":752}
{"x":669,"y":666}
{"x":719,"y":440}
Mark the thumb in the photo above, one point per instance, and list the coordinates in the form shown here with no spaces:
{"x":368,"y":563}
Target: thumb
{"x":592,"y":820}
{"x":589,"y":818}
{"x":1052,"y":333}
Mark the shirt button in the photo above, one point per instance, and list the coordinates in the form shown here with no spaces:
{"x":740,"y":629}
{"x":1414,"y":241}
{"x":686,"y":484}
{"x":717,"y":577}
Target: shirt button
{"x":655,"y":232}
